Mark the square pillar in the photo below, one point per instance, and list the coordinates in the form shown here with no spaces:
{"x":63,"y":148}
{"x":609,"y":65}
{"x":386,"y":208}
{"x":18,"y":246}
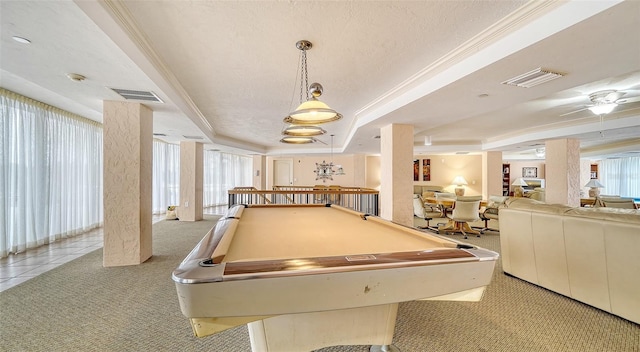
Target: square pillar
{"x":492,"y":174}
{"x":259,"y":174}
{"x":359,"y":170}
{"x":562,"y":172}
{"x":191,"y":181}
{"x":396,"y":174}
{"x":127,"y":174}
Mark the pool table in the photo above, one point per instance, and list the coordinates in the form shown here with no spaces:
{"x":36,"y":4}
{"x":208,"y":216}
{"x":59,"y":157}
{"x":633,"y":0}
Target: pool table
{"x":305,"y":277}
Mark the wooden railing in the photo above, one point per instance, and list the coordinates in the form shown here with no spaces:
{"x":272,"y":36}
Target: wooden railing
{"x":360,"y":199}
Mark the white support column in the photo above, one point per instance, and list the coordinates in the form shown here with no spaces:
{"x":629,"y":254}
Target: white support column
{"x":127,"y":174}
{"x":359,"y":170}
{"x":562,"y":172}
{"x":492,"y":174}
{"x":259,"y":168}
{"x":191,"y":181}
{"x":396,"y":176}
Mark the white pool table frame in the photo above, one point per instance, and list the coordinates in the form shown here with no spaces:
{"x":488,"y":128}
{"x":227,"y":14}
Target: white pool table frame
{"x":219,"y":288}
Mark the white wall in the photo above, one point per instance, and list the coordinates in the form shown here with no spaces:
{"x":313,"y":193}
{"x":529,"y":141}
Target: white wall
{"x":444,"y":168}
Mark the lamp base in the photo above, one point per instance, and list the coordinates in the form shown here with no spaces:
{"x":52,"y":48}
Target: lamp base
{"x":518,"y":191}
{"x":459,"y":191}
{"x":594,"y":192}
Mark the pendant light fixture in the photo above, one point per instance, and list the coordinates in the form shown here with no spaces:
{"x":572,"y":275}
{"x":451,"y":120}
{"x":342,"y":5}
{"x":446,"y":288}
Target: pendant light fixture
{"x":303,"y":131}
{"x":312,"y":111}
{"x":297,"y":140}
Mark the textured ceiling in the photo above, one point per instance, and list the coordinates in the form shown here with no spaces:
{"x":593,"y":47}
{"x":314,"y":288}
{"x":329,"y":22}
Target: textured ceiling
{"x":227,"y":70}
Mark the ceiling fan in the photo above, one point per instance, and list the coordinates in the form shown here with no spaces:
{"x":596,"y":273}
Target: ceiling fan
{"x":605,"y":101}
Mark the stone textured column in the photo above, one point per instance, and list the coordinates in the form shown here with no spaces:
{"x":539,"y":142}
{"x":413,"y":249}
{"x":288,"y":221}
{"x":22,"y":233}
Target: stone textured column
{"x":396,"y":175}
{"x":492,"y":174}
{"x":191,"y":181}
{"x":562,"y":172}
{"x":127,"y":175}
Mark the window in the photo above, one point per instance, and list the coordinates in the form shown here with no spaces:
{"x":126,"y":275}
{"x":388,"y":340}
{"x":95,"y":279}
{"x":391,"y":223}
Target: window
{"x":51,"y":173}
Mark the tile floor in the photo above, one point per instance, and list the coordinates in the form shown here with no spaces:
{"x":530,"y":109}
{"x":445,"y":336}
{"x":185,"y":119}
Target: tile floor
{"x":18,"y":268}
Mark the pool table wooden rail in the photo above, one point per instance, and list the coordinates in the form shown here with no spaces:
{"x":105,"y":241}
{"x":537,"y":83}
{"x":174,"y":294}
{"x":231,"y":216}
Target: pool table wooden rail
{"x":333,"y":264}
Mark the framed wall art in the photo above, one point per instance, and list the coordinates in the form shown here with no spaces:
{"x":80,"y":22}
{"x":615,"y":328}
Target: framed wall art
{"x":426,"y":169}
{"x":529,"y":172}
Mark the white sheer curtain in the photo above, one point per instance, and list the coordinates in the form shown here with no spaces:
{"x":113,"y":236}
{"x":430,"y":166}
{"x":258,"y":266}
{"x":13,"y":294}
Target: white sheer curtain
{"x":51,"y":173}
{"x":166,"y":176}
{"x":223,"y":171}
{"x":620,"y":176}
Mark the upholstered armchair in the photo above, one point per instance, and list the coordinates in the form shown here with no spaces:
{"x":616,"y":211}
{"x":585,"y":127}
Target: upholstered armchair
{"x":491,"y":211}
{"x":537,"y":194}
{"x":624,"y":203}
{"x":465,"y":210}
{"x":425,"y":212}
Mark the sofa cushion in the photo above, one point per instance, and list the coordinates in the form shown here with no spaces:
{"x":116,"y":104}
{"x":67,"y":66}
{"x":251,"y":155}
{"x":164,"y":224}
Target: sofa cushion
{"x":538,"y":206}
{"x":630,"y":216}
{"x":420,"y":189}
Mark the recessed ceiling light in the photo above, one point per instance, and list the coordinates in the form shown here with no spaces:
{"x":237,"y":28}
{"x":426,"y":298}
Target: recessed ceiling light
{"x":21,"y":40}
{"x":76,"y":77}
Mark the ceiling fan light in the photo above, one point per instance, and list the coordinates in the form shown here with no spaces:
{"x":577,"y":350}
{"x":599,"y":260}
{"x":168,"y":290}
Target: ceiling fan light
{"x":601,"y":109}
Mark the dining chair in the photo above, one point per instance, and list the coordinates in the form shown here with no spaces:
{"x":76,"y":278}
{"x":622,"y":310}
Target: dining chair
{"x":445,"y":196}
{"x":599,"y":201}
{"x":425,"y":212}
{"x":465,"y":210}
{"x":491,"y":211}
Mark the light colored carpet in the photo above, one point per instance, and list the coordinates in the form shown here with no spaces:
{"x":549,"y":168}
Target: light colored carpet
{"x":82,"y":306}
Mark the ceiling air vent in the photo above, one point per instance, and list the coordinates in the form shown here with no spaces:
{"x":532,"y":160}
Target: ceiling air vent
{"x":533,"y":78}
{"x":193,"y":137}
{"x":159,"y":134}
{"x":462,"y":153}
{"x":137,"y":95}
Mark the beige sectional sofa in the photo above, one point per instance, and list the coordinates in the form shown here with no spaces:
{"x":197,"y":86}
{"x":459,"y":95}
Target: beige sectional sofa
{"x":588,"y":254}
{"x":425,"y":190}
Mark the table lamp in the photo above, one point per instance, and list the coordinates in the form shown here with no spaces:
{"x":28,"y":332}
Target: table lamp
{"x":460,"y":182}
{"x":518,"y":191}
{"x":594,"y":191}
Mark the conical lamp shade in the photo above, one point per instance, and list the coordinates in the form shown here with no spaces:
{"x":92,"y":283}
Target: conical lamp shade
{"x":312,"y":112}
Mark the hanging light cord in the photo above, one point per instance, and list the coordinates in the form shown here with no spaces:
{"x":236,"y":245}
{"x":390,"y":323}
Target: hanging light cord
{"x":331,"y":149}
{"x":304,"y":76}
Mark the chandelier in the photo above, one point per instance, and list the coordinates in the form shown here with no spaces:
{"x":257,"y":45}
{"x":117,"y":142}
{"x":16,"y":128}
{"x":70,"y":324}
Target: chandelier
{"x":324,"y":171}
{"x":311,"y":111}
